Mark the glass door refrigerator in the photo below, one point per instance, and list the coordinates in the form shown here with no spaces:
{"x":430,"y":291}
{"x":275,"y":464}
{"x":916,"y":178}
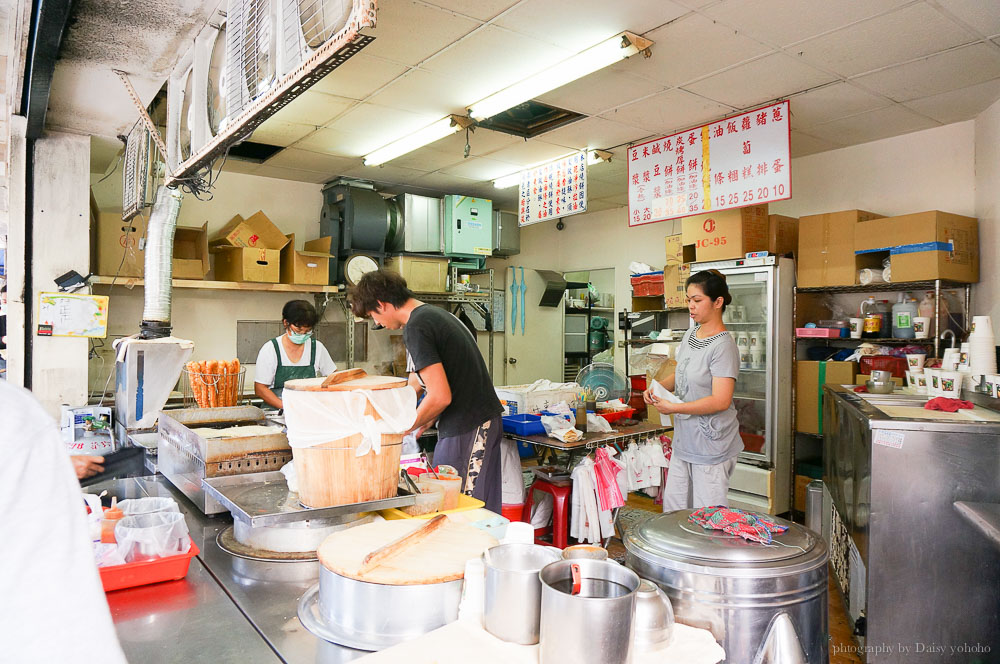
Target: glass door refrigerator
{"x":760,"y":320}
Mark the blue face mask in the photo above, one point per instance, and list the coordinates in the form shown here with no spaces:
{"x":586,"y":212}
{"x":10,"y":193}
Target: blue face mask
{"x":298,"y":338}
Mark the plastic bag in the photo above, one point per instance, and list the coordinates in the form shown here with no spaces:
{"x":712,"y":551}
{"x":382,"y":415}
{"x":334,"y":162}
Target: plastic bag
{"x":597,"y":424}
{"x":291,"y":478}
{"x":148,"y":536}
{"x":315,"y":418}
{"x":147,"y":505}
{"x":510,"y":472}
{"x":558,"y":427}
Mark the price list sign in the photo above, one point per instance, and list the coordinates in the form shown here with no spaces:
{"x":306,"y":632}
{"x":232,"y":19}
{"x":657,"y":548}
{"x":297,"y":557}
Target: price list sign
{"x":552,"y":190}
{"x":735,"y":162}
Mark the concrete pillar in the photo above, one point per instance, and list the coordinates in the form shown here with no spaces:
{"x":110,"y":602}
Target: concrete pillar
{"x":15,"y":252}
{"x":61,"y":242}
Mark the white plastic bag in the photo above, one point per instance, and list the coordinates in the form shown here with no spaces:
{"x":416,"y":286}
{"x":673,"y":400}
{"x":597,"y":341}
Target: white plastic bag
{"x":148,"y":536}
{"x":147,"y":505}
{"x":511,"y":473}
{"x":314,"y":418}
{"x":291,"y":479}
{"x":597,"y":424}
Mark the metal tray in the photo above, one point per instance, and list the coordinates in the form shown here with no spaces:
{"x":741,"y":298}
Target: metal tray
{"x":263,"y":499}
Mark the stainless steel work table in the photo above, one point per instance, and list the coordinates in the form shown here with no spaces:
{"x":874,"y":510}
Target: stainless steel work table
{"x":227,"y":609}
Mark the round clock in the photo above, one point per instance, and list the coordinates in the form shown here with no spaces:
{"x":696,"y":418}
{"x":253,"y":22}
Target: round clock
{"x":357,"y":266}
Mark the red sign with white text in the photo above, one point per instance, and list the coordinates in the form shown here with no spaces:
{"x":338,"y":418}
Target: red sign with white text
{"x":735,"y":162}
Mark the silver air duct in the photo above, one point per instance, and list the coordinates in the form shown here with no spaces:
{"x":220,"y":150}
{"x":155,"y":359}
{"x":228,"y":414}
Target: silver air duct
{"x":159,"y":263}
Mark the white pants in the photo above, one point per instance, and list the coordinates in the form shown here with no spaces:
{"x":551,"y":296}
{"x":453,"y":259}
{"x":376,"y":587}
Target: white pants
{"x":696,"y":485}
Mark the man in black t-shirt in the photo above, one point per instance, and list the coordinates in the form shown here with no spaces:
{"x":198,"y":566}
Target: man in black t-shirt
{"x":460,"y":395}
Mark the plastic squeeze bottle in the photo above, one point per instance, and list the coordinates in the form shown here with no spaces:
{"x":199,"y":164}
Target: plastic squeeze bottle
{"x":111,"y":517}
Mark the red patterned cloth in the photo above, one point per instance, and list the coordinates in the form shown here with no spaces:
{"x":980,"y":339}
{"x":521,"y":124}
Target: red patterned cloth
{"x":748,"y":525}
{"x":948,"y":405}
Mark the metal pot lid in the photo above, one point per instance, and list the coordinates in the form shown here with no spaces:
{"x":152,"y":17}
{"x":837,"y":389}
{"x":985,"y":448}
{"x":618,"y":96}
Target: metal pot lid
{"x":671,"y":535}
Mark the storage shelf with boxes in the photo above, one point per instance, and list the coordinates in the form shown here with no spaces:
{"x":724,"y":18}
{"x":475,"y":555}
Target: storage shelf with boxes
{"x":248,"y":250}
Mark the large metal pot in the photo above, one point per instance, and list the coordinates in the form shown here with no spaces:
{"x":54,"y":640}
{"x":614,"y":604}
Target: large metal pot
{"x":761,"y":602}
{"x":513,"y":591}
{"x":372,"y":616}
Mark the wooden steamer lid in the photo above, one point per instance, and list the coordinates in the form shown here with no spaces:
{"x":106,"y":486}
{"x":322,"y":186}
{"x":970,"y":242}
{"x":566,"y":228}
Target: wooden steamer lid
{"x":437,"y":558}
{"x":345,"y":381}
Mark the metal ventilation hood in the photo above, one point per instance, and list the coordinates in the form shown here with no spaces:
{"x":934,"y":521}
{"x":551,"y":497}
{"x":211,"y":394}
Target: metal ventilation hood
{"x":555,"y":286}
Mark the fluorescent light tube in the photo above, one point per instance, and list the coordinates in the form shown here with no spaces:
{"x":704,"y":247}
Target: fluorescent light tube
{"x":508,"y":181}
{"x":596,"y":57}
{"x":418,"y":139}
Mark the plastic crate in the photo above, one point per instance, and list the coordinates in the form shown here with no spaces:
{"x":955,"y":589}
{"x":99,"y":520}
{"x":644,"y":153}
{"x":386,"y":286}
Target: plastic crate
{"x":648,"y":284}
{"x":145,"y":572}
{"x":869,"y":363}
{"x":465,"y":503}
{"x":524,"y":424}
{"x":525,"y":450}
{"x":615,"y":415}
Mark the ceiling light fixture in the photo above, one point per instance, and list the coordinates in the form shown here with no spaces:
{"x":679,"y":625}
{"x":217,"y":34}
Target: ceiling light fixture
{"x":418,"y":139}
{"x":606,"y":53}
{"x":593,"y":157}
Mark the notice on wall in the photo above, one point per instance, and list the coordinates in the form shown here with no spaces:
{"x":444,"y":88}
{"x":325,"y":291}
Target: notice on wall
{"x":72,"y":315}
{"x":732,"y":163}
{"x":553,"y":190}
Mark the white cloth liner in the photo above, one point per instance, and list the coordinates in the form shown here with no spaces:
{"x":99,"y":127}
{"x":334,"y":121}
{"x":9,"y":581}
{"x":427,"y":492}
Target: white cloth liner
{"x":315,"y":418}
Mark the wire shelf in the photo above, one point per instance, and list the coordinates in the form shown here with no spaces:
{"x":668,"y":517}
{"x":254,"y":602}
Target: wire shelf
{"x":883,"y":288}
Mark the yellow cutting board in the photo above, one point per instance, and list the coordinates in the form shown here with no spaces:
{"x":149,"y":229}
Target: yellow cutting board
{"x":438,"y":558}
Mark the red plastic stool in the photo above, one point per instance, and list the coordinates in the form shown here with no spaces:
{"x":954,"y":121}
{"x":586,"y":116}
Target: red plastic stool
{"x":560,"y":512}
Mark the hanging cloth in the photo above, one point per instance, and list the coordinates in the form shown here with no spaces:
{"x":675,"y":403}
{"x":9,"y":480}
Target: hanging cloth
{"x":609,"y":495}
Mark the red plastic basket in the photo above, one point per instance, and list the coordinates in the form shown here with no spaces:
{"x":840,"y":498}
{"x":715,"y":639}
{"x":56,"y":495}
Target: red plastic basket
{"x":869,"y":363}
{"x":145,"y":572}
{"x":615,"y":415}
{"x":647,"y":285}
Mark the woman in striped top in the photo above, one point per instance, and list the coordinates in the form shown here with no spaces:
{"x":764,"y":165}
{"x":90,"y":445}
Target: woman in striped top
{"x":706,"y":432}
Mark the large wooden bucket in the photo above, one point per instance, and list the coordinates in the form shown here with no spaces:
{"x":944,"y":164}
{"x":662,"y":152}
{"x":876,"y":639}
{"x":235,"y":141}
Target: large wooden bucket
{"x":330,"y":474}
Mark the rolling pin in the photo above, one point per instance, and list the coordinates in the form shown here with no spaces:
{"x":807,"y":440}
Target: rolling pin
{"x":383,"y":553}
{"x":343,"y":376}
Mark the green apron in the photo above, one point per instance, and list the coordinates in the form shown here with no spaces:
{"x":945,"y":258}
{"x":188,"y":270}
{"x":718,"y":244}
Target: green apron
{"x":283,"y":373}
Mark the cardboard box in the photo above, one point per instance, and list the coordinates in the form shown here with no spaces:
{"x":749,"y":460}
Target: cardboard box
{"x":782,"y":235}
{"x":653,"y":303}
{"x":665,"y":370}
{"x":674,"y":290}
{"x":726,"y":234}
{"x":826,"y":248}
{"x":808,"y":390}
{"x":799,"y":502}
{"x":254,"y":231}
{"x":922,"y":246}
{"x":190,"y":257}
{"x":246,"y":264}
{"x":120,"y":245}
{"x":423,"y":274}
{"x":677,"y":251}
{"x":310,"y":267}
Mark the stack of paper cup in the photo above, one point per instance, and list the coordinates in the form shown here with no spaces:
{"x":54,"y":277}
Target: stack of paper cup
{"x":982,"y":347}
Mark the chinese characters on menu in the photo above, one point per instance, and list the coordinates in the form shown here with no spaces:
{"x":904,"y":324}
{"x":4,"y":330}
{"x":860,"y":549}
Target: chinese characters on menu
{"x":555,"y":189}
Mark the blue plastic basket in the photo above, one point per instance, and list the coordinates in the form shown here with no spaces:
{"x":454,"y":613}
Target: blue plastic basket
{"x":524,"y":424}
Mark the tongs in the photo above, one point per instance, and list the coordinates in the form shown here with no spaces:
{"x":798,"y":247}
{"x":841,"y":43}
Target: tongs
{"x":408,"y":481}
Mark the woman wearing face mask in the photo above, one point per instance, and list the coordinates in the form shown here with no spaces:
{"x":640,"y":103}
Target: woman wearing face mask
{"x":295,"y":354}
{"x":706,"y":432}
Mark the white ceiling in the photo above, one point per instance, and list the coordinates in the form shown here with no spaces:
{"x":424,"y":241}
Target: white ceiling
{"x":854,"y":70}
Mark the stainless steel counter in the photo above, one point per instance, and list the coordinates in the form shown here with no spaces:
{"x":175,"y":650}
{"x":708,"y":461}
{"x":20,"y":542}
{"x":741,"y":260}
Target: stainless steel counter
{"x":923,"y":577}
{"x":227,"y":609}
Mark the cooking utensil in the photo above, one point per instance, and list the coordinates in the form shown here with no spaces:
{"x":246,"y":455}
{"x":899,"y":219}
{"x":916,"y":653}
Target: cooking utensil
{"x":513,"y":592}
{"x":397,"y":546}
{"x":593,"y":626}
{"x":343,"y":376}
{"x":879,"y":388}
{"x":654,"y":617}
{"x":589,"y":551}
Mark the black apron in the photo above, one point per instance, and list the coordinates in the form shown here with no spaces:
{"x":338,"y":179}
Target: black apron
{"x":282,"y":374}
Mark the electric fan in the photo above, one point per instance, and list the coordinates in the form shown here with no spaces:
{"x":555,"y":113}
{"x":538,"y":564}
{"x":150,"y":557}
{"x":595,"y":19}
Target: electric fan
{"x":604,"y":381}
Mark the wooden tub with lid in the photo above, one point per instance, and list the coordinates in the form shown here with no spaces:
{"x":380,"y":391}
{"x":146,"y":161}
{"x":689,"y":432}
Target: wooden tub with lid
{"x":331,"y":474}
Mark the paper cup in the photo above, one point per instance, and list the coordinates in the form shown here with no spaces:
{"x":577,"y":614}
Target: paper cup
{"x":744,"y":358}
{"x":921,"y":326}
{"x":915,"y":361}
{"x":951,"y":384}
{"x":982,"y":326}
{"x":993,"y":381}
{"x":950,"y":360}
{"x":756,"y":358}
{"x":856,"y":326}
{"x":911,"y":380}
{"x":922,"y":383}
{"x":933,"y":386}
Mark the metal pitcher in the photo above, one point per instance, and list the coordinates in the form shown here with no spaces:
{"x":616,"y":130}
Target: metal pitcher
{"x":587,"y":612}
{"x":513,"y":590}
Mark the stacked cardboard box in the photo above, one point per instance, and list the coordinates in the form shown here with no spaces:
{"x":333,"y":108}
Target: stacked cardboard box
{"x":190,"y":259}
{"x":826,"y":248}
{"x":310,"y":267}
{"x":726,"y":234}
{"x":809,"y":381}
{"x":248,"y":250}
{"x":921,"y":246}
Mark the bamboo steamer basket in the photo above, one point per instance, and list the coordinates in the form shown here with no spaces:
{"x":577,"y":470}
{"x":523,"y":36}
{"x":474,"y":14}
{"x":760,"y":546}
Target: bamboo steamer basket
{"x":330,"y":474}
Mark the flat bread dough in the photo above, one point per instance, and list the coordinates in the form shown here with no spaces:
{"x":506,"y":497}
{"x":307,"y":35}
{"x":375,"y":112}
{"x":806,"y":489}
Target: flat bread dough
{"x":237,"y":432}
{"x":438,"y":558}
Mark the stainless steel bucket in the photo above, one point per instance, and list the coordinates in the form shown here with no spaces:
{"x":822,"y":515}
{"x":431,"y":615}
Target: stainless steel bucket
{"x":513,"y":592}
{"x":761,"y":602}
{"x":593,"y":627}
{"x":372,"y":616}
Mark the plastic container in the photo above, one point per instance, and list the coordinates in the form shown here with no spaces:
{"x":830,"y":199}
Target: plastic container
{"x":523,"y":424}
{"x":112,"y":516}
{"x":430,"y":499}
{"x":463,"y":503}
{"x":817,"y":332}
{"x":451,"y":485}
{"x":903,"y":313}
{"x":885,"y":310}
{"x":512,"y":512}
{"x":142,"y":573}
{"x":872,"y":326}
{"x":647,"y":284}
{"x":148,"y":505}
{"x":148,"y":536}
{"x":615,"y":415}
{"x":869,"y":363}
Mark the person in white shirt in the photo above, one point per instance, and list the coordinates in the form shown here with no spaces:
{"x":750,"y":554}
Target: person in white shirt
{"x":295,"y":354}
{"x":52,"y":606}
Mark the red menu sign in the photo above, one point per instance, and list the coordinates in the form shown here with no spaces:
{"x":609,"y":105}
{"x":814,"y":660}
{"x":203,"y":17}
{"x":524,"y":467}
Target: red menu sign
{"x":735,"y":162}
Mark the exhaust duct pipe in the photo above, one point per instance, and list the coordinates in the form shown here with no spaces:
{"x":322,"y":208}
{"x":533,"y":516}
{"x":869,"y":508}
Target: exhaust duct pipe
{"x":159,"y":263}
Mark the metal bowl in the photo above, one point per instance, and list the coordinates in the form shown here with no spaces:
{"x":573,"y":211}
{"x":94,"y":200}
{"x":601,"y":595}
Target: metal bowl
{"x":654,"y":617}
{"x":879,"y":388}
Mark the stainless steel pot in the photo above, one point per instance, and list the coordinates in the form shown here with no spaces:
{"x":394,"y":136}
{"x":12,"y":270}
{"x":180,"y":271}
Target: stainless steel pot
{"x":372,"y":616}
{"x":513,"y":592}
{"x":295,"y":536}
{"x":761,"y":602}
{"x":594,"y":626}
